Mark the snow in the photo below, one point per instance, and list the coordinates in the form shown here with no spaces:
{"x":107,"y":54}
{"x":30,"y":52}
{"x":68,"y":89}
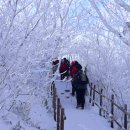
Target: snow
{"x":42,"y":118}
{"x":4,"y":126}
{"x":78,"y":119}
{"x":33,"y":32}
{"x":39,"y":117}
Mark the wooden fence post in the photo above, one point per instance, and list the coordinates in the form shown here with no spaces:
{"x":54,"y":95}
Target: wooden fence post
{"x":125,"y":117}
{"x":100,"y":110}
{"x":112,"y":110}
{"x":93,"y":102}
{"x":90,"y":93}
{"x":54,"y":96}
{"x":62,"y":119}
{"x":58,"y":113}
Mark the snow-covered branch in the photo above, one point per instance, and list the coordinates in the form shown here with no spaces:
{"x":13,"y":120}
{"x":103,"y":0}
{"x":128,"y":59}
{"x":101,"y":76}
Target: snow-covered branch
{"x":123,"y":4}
{"x":110,"y":28}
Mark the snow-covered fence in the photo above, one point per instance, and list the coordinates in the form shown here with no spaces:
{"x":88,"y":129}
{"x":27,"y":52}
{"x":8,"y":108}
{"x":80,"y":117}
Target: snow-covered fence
{"x":59,"y":114}
{"x":97,"y":98}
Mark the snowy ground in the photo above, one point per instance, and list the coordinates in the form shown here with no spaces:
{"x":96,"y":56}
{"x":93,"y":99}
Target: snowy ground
{"x":39,"y":118}
{"x":78,"y":119}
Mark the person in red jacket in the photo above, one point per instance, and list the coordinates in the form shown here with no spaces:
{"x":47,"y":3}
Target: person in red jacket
{"x":74,"y":68}
{"x":64,"y":69}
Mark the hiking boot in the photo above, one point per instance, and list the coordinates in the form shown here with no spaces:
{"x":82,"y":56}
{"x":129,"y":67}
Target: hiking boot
{"x":72,"y":94}
{"x":77,"y":106}
{"x":82,"y":107}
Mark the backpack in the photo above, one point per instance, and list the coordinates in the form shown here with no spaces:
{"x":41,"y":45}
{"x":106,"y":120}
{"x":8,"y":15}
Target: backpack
{"x":80,"y":78}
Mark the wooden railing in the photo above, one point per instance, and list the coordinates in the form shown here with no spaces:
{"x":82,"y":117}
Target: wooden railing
{"x":59,"y":114}
{"x":100,"y":99}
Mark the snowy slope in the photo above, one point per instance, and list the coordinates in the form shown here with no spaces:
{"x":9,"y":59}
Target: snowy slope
{"x":39,"y":118}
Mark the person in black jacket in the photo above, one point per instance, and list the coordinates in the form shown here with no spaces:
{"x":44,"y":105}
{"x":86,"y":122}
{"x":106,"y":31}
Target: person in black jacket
{"x":81,"y":81}
{"x":55,"y":63}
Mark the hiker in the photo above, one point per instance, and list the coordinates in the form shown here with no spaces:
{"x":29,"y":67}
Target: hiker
{"x":74,"y":68}
{"x":80,"y":80}
{"x":55,"y":63}
{"x":66,"y":61}
{"x":64,"y":68}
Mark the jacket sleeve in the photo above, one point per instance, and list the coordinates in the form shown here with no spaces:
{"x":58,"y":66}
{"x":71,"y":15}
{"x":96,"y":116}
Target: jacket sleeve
{"x":73,"y":71}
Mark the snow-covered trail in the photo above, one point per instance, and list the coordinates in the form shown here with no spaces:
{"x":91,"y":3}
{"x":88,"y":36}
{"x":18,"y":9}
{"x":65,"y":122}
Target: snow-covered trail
{"x":78,"y":119}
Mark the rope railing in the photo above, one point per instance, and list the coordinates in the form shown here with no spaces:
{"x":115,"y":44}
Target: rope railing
{"x":59,"y":112}
{"x":113,"y":107}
